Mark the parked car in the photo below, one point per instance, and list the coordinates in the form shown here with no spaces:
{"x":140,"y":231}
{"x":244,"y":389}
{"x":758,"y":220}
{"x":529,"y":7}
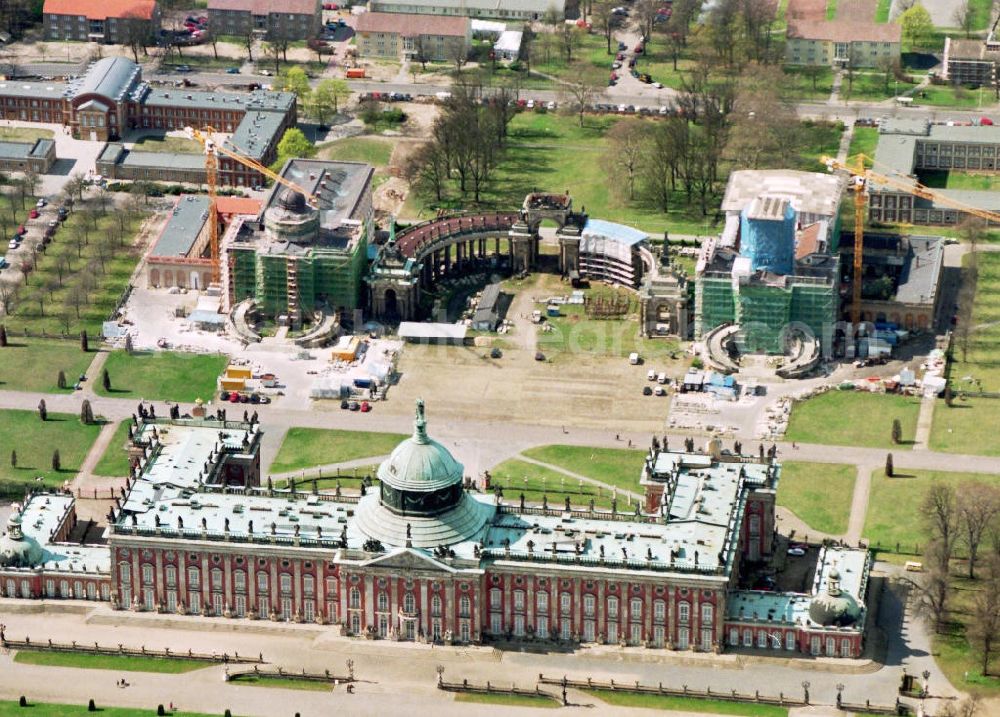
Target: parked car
{"x":224,"y":396}
{"x":62,"y":213}
{"x":797,"y":552}
{"x":539,"y":356}
{"x":183,"y":68}
{"x":659,"y":391}
{"x":232,"y":70}
{"x":22,"y":230}
{"x":647,"y":391}
{"x":345,"y":404}
{"x":354,"y":406}
{"x":40,"y":203}
{"x":234,"y":397}
{"x":365,"y":407}
{"x":33,"y":214}
{"x":495,"y":353}
{"x":13,"y":244}
{"x":3,"y":262}
{"x":54,"y":224}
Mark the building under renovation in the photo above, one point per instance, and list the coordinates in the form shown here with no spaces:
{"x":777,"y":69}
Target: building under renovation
{"x":303,"y":255}
{"x":775,"y":269}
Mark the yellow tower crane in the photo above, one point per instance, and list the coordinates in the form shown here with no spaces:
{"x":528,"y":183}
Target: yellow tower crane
{"x":212,"y":151}
{"x":861,"y":180}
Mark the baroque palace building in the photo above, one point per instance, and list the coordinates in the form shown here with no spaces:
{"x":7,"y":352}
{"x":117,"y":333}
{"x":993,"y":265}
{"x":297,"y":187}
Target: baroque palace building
{"x":423,"y":556}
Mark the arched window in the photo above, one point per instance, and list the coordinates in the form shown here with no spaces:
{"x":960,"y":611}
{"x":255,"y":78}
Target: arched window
{"x":659,"y":610}
{"x":542,"y":602}
{"x":308,"y":584}
{"x":124,"y":572}
{"x":355,"y":601}
{"x":216,"y":578}
{"x":170,"y":573}
{"x":464,"y":606}
{"x":409,"y":603}
{"x":194,"y":577}
{"x":496,"y":597}
{"x":754,"y":525}
{"x":240,"y":580}
{"x":707,"y":612}
{"x":262,"y":582}
{"x":383,"y":602}
{"x":436,"y":605}
{"x":683,"y":612}
{"x":147,"y":574}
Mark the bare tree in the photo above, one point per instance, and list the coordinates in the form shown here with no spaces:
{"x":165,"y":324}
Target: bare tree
{"x":427,"y":169}
{"x":964,"y":17}
{"x":249,"y":38}
{"x":457,"y":52}
{"x":984,"y":628}
{"x":933,"y":588}
{"x":570,"y":39}
{"x":604,"y":19}
{"x":628,"y":140}
{"x":941,"y":518}
{"x":135,"y":33}
{"x":581,"y":89}
{"x":978,"y":506}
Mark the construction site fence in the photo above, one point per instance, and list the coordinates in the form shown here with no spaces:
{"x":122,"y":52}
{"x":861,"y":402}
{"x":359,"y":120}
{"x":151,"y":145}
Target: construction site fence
{"x":490,"y":689}
{"x":121,"y":650}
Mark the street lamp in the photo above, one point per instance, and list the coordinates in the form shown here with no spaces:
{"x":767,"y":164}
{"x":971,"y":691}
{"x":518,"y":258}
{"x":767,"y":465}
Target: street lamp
{"x":805,"y":689}
{"x":926,"y":674}
{"x":840,"y":689}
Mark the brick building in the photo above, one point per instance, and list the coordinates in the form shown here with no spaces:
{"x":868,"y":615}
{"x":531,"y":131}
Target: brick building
{"x":111,"y":98}
{"x":109,"y":21}
{"x":287,"y":20}
{"x":425,"y":557}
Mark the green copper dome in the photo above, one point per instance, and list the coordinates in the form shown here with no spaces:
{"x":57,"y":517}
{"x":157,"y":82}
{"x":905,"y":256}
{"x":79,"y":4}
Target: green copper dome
{"x":420,"y":464}
{"x":834,"y":607}
{"x":16,"y":549}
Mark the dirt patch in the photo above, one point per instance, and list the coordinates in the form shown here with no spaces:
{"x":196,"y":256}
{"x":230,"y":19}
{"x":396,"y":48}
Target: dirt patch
{"x":389,"y":197}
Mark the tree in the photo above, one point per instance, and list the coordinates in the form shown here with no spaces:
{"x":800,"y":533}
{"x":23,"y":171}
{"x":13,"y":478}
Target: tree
{"x":128,"y":343}
{"x":933,"y":588}
{"x":74,"y":186}
{"x":61,"y":379}
{"x":293,"y":144}
{"x":570,"y":37}
{"x":106,"y":381}
{"x":627,"y":141}
{"x":581,"y":89}
{"x":978,"y":506}
{"x":296,"y":81}
{"x":43,"y":411}
{"x":764,"y":129}
{"x":897,"y":431}
{"x":427,"y":169}
{"x":964,"y":17}
{"x":273,"y":51}
{"x":984,"y":627}
{"x":86,"y":413}
{"x":3,"y":334}
{"x":889,"y":66}
{"x":13,"y":459}
{"x":888,"y":465}
{"x":603,"y":18}
{"x":917,"y":26}
{"x":457,"y":51}
{"x":134,"y":32}
{"x":84,"y":343}
{"x":326,"y":98}
{"x":939,"y":510}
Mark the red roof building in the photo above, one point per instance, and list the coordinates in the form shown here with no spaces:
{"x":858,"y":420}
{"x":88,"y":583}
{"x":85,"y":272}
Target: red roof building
{"x":109,"y":21}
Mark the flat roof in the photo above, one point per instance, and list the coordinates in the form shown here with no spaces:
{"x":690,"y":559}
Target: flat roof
{"x":34,"y":90}
{"x":340,"y":187}
{"x":808,"y":192}
{"x":921,"y":275}
{"x":255,"y":133}
{"x":509,"y":41}
{"x":40,"y":517}
{"x":164,"y":160}
{"x":16,"y":150}
{"x":187,"y":220}
{"x":421,"y":330}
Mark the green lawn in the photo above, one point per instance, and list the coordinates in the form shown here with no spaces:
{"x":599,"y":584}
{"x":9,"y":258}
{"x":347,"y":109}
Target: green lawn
{"x":981,"y":13}
{"x":309,"y":447}
{"x":287,"y":683}
{"x":125,"y":663}
{"x":619,"y":467}
{"x":894,"y":506}
{"x":163,"y":375}
{"x":952,"y":651}
{"x":114,"y":462}
{"x":10,"y":708}
{"x":375,"y":152}
{"x":506,"y":700}
{"x":818,"y":493}
{"x":957,"y":179}
{"x":24,"y":134}
{"x":949,"y":96}
{"x":349,"y":479}
{"x":81,"y":276}
{"x":872,"y":86}
{"x":34,"y":441}
{"x":800,"y":84}
{"x":832,"y":418}
{"x":164,"y":143}
{"x":864,"y":140}
{"x":516,"y":477}
{"x":34,"y":364}
{"x":687,"y":704}
{"x":978,"y":359}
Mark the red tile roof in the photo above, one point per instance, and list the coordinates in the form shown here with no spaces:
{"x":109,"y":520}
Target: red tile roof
{"x":265,"y":7}
{"x":843,"y":31}
{"x":807,"y":241}
{"x":237,"y":205}
{"x":101,"y":10}
{"x":413,"y":25}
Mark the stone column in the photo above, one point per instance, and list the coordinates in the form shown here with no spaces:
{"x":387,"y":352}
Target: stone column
{"x":578,"y":606}
{"x":369,"y":604}
{"x":450,"y":609}
{"x":160,"y":583}
{"x":529,"y":605}
{"x":182,"y":596}
{"x":394,"y":620}
{"x":647,"y":606}
{"x":228,"y":594}
{"x":601,"y":628}
{"x":206,"y":584}
{"x":321,"y":611}
{"x":425,"y":608}
{"x":274,"y":591}
{"x":251,"y":586}
{"x":297,"y":587}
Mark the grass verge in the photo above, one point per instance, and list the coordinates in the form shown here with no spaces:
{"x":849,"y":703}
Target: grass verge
{"x":162,"y":375}
{"x":506,"y":700}
{"x":517,"y":477}
{"x":832,"y":418}
{"x":34,"y":441}
{"x":818,"y":493}
{"x":10,"y":708}
{"x":34,"y":364}
{"x":114,"y":461}
{"x":310,"y":447}
{"x":687,"y":704}
{"x":619,"y":467}
{"x":285,"y":683}
{"x":125,"y":663}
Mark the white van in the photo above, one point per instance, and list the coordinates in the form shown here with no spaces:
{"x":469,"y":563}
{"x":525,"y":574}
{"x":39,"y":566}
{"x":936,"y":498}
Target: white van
{"x":633,"y":358}
{"x":662,"y":378}
{"x":651,"y":376}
